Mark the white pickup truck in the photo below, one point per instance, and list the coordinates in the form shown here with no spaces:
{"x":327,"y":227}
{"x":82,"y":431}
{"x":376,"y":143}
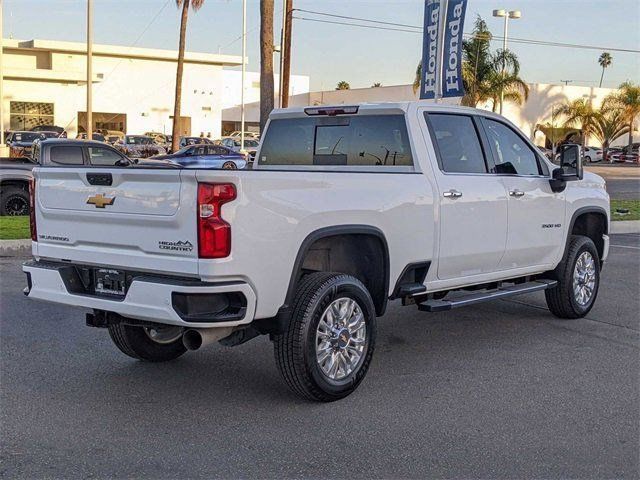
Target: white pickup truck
{"x":345,"y":208}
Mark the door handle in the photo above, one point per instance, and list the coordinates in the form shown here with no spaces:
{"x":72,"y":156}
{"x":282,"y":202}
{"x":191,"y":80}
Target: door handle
{"x":452,"y":194}
{"x":516,"y":193}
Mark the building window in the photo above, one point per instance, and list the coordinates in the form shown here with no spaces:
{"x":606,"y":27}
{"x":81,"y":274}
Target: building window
{"x":26,"y":115}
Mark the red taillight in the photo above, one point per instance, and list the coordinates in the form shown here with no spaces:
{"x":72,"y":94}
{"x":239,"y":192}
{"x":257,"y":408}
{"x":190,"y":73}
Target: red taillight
{"x":214,"y":234}
{"x":32,"y":209}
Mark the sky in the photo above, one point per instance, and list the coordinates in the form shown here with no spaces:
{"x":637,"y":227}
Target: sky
{"x":329,"y":53}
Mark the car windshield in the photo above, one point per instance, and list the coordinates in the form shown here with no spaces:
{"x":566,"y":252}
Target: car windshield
{"x":139,"y":140}
{"x":26,"y":136}
{"x":183,"y":150}
{"x":250,"y":143}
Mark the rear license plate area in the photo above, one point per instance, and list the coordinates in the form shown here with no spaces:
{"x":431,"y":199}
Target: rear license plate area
{"x":108,"y":281}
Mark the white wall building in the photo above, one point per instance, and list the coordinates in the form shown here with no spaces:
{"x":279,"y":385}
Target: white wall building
{"x":133,"y":88}
{"x":533,"y":114}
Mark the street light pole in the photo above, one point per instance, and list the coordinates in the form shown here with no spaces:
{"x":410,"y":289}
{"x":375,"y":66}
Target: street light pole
{"x":244,"y":54}
{"x":89,"y":124}
{"x":507,"y":15}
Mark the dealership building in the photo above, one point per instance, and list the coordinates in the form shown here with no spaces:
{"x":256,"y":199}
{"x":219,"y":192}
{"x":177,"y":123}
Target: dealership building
{"x":133,"y":88}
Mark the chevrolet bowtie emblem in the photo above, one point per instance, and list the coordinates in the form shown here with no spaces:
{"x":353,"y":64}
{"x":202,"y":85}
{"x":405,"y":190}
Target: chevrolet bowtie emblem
{"x":100,"y":201}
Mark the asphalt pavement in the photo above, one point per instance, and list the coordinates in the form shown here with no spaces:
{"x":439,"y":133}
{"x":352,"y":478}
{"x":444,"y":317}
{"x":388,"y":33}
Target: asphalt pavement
{"x":623,"y":180}
{"x":499,"y":390}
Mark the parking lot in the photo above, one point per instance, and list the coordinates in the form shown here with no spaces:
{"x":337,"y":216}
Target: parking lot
{"x":623,"y":180}
{"x":501,"y":390}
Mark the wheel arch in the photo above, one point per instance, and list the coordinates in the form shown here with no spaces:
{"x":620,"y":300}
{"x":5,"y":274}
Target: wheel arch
{"x":591,"y":222}
{"x":369,"y":273}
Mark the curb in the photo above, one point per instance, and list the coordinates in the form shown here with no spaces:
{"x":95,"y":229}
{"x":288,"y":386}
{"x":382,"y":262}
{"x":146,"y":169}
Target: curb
{"x":15,"y":248}
{"x":625,"y":226}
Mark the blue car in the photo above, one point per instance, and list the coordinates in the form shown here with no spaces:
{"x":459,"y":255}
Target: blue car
{"x":206,"y":156}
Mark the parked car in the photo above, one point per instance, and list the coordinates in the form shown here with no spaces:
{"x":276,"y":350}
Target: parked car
{"x":139,"y":146}
{"x":547,"y":152}
{"x":112,"y":136}
{"x":160,"y":138}
{"x":50,"y":128}
{"x":97,"y":136}
{"x":21,"y":143}
{"x":592,"y":154}
{"x":238,"y":134}
{"x":206,"y":156}
{"x":250,"y":146}
{"x":15,"y":175}
{"x":347,"y":207}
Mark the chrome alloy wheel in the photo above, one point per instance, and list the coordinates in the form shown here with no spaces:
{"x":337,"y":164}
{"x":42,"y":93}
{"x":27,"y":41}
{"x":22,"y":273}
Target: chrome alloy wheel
{"x":163,"y":334}
{"x":341,"y":338}
{"x":584,"y":278}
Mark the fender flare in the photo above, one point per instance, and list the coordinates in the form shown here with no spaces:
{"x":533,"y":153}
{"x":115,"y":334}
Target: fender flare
{"x":330,"y":232}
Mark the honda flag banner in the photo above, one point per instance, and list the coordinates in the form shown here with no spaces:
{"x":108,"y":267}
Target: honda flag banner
{"x":430,"y":51}
{"x":452,"y":55}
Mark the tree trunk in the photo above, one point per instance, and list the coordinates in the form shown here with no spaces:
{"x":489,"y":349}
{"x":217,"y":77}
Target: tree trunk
{"x":266,"y":61}
{"x":630,"y":135}
{"x":601,"y":77}
{"x":175,"y":141}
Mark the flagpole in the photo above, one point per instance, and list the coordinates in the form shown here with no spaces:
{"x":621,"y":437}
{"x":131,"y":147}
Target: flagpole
{"x":244,"y":54}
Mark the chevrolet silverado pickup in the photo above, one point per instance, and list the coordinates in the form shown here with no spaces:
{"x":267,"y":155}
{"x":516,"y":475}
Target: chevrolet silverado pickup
{"x":346,"y":208}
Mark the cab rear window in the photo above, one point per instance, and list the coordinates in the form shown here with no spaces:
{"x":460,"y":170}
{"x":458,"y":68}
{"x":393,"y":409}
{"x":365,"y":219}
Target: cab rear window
{"x":364,"y":140}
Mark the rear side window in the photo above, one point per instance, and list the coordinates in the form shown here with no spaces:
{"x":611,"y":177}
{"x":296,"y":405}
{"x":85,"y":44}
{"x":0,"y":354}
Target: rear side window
{"x":458,"y":144}
{"x":66,"y":155}
{"x":366,"y":140}
{"x":103,"y":156}
{"x":511,"y":153}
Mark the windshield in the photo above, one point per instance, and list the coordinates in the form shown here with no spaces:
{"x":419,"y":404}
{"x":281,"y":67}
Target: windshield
{"x":250,"y":143}
{"x":139,"y":140}
{"x":183,"y":150}
{"x":26,"y":136}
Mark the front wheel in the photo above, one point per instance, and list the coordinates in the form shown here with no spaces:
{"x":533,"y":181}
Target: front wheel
{"x":159,"y":343}
{"x":578,"y":278}
{"x":327,"y":348}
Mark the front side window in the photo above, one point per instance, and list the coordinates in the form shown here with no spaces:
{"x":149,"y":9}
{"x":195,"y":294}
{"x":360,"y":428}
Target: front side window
{"x":458,"y":144}
{"x":366,"y":140}
{"x":66,"y":155}
{"x":103,"y":156}
{"x":511,"y":153}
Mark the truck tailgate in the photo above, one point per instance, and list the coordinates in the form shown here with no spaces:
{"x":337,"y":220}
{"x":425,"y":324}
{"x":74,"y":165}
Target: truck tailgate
{"x":142,"y":219}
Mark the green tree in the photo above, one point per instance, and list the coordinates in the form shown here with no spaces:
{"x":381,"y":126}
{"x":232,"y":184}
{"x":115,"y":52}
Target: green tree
{"x":342,"y":85}
{"x":184,"y":4}
{"x":604,"y":61}
{"x":609,"y":125}
{"x":482,"y":71}
{"x":627,"y":100}
{"x":376,"y":85}
{"x":580,"y":113}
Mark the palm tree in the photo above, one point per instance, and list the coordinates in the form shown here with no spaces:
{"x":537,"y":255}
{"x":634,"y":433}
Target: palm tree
{"x":342,"y":85}
{"x":195,"y":4}
{"x":376,"y":85}
{"x":418,"y":78}
{"x":609,"y":126}
{"x":604,"y":61}
{"x":266,"y":61}
{"x":581,"y":112}
{"x":627,"y":100}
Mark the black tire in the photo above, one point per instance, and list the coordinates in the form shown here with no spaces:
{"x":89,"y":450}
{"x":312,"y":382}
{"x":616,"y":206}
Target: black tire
{"x":14,"y":201}
{"x":229,"y":166}
{"x":561,"y":299}
{"x":295,"y":350}
{"x":136,"y":343}
{"x":587,"y":159}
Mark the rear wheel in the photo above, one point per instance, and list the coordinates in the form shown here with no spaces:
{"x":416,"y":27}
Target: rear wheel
{"x":158,"y":343}
{"x":14,"y":201}
{"x":587,"y":159}
{"x":229,"y":166}
{"x":578,"y":278}
{"x":327,"y":348}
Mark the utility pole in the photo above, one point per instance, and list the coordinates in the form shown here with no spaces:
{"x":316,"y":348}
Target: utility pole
{"x":285,"y":53}
{"x":89,"y":124}
{"x":244,"y":68}
{"x":566,"y":82}
{"x":1,"y":82}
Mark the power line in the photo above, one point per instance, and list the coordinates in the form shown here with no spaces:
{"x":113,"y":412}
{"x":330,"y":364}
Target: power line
{"x":418,"y":29}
